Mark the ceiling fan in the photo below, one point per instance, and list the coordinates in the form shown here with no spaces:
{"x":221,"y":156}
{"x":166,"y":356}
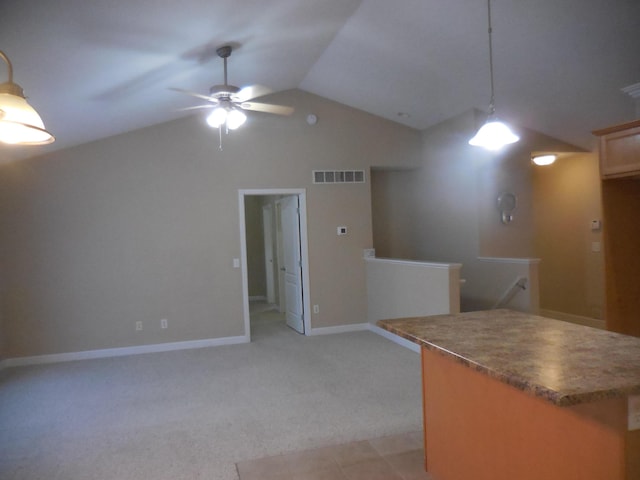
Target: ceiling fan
{"x":229,"y":101}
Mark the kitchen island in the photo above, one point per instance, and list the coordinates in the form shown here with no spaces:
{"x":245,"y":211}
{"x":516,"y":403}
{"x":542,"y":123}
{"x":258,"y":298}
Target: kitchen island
{"x":509,"y":396}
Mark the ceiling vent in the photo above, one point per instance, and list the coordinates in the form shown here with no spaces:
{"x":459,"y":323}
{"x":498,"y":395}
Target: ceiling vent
{"x":338,"y":176}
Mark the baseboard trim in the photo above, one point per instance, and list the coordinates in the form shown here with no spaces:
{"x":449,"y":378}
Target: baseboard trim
{"x":354,"y":327}
{"x":395,"y":338}
{"x":359,"y":327}
{"x":120,"y":352}
{"x":189,"y":345}
{"x":569,"y":317}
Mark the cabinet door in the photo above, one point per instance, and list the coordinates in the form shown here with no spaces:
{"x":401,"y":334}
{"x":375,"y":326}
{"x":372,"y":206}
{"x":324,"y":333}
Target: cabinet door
{"x":620,"y":153}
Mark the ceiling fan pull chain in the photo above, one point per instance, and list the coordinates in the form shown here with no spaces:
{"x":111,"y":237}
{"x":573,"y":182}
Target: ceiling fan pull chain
{"x":220,"y":139}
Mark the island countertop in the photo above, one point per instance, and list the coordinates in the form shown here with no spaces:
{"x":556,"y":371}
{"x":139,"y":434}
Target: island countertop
{"x":563,"y":363}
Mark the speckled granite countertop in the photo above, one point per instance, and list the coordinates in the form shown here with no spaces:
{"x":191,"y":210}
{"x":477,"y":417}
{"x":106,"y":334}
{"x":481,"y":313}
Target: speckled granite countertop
{"x":563,"y":363}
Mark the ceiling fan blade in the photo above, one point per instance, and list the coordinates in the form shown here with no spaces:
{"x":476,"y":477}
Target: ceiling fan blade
{"x":197,"y":107}
{"x":267,"y":108}
{"x":250,"y":92}
{"x":194,"y":94}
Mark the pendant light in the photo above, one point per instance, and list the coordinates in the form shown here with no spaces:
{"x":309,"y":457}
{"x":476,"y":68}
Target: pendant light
{"x":20,"y":124}
{"x":494,"y":134}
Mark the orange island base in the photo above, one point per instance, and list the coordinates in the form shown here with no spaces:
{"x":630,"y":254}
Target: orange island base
{"x":508,"y":395}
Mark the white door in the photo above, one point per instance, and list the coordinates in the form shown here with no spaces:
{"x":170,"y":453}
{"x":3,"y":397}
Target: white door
{"x":269,"y":266}
{"x":292,"y":265}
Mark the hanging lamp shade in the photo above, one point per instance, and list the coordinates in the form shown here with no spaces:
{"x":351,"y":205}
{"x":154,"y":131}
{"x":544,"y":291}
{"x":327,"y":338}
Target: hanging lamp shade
{"x":20,"y":124}
{"x":494,"y":134}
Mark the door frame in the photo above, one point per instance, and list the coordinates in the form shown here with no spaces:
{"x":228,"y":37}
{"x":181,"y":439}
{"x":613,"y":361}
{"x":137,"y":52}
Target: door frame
{"x":304,"y":252}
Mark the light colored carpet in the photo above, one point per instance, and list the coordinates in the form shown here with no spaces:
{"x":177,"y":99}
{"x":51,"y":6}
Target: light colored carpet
{"x":193,"y":414}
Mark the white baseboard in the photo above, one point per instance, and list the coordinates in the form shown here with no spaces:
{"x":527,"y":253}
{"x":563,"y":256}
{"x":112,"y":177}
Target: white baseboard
{"x":569,"y":317}
{"x":354,"y":327}
{"x":119,"y":352}
{"x":188,"y":345}
{"x":359,"y":327}
{"x":394,"y":338}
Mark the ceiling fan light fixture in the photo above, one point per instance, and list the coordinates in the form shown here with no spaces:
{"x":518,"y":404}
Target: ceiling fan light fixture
{"x":494,"y":134}
{"x":229,"y":102}
{"x":235,"y":119}
{"x":20,"y":124}
{"x":217,"y":117}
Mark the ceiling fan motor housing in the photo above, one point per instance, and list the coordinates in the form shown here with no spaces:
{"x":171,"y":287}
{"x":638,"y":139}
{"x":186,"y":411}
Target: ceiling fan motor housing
{"x":219,"y":91}
{"x":224,"y":51}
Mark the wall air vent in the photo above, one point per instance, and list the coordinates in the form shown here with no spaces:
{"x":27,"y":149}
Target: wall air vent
{"x":338,"y":176}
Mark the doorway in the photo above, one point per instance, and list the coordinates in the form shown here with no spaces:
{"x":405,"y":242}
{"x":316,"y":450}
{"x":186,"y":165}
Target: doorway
{"x":284,"y":254}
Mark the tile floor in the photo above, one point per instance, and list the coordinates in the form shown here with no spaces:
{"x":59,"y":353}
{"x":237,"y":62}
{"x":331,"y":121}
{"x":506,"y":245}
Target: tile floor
{"x":396,"y":457}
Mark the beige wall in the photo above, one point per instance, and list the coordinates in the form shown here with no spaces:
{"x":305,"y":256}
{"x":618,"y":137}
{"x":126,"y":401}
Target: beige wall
{"x":566,"y":200}
{"x":144,"y":226}
{"x":447,"y":211}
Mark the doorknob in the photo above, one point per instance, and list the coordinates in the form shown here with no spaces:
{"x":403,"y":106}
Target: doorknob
{"x":282,"y":269}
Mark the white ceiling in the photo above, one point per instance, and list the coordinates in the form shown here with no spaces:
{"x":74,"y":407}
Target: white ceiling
{"x":98,"y":68}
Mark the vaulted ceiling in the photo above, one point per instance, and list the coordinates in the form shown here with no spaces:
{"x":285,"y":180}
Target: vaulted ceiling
{"x":98,"y":68}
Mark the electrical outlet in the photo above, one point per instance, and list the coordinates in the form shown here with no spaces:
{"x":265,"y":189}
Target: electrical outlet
{"x":316,"y":309}
{"x":163,"y":323}
{"x":138,"y":326}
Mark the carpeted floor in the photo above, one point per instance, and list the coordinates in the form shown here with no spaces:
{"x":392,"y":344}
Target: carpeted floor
{"x":193,"y":414}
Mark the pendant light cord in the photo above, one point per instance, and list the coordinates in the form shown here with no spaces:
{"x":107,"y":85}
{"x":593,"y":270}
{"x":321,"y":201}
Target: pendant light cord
{"x":8,"y":86}
{"x":9,"y":66}
{"x":492,"y":108}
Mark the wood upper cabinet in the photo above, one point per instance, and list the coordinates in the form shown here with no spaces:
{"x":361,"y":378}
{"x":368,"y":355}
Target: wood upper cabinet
{"x":620,"y":172}
{"x":620,"y":150}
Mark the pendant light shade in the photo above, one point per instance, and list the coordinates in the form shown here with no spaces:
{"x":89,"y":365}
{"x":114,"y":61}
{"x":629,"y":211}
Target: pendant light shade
{"x":20,"y":124}
{"x":494,"y":134}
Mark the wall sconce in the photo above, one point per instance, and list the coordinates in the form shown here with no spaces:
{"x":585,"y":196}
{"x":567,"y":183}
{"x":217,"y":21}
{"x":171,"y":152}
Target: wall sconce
{"x":507,"y":203}
{"x":544,"y":159}
{"x":20,"y":124}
